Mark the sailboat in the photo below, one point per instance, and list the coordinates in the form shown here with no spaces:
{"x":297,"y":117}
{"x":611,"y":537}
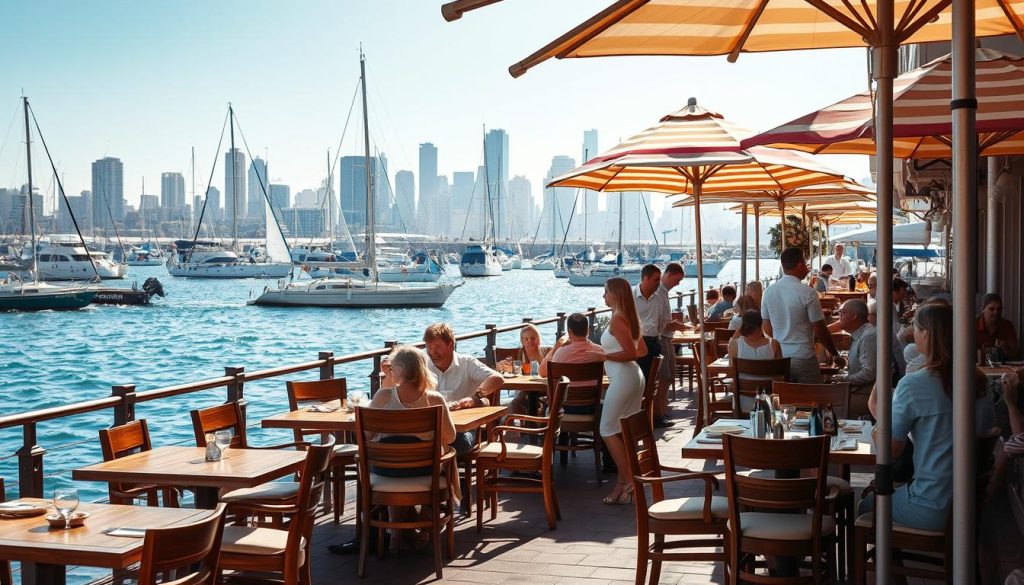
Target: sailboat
{"x":18,"y":295}
{"x":598,"y":274}
{"x":355,"y":292}
{"x":197,"y":259}
{"x":482,"y":259}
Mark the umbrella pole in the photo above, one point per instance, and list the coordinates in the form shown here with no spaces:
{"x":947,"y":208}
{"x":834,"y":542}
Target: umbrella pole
{"x":757,"y":241}
{"x":884,"y":56}
{"x":965,"y":191}
{"x":702,"y":391}
{"x":782,"y":227}
{"x":992,"y":226}
{"x":743,"y":251}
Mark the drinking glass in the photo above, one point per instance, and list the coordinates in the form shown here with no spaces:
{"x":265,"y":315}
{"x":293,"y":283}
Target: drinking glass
{"x":356,"y":398}
{"x":517,"y":367}
{"x":789,"y":413}
{"x":66,"y":502}
{"x":223,"y":439}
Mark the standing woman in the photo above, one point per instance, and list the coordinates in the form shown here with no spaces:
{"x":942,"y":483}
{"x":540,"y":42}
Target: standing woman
{"x":622,"y":344}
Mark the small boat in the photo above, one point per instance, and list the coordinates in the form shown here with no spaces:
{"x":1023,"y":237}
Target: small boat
{"x":145,"y":257}
{"x":130,"y":296}
{"x":479,"y":260}
{"x":422,"y":268}
{"x":598,"y":275}
{"x":61,"y":259}
{"x":543,"y":263}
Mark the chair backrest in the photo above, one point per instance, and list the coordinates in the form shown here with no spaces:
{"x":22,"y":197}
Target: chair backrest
{"x":585,"y":382}
{"x":842,"y":341}
{"x":715,"y":324}
{"x":125,"y":439}
{"x":373,"y":453}
{"x":769,"y":371}
{"x":722,"y":337}
{"x":642,"y":454}
{"x":829,"y":303}
{"x":556,"y":397}
{"x":183,"y":547}
{"x":691,"y":312}
{"x":227,"y":416}
{"x":651,"y":386}
{"x":301,"y":394}
{"x":807,"y":395}
{"x":311,"y":489}
{"x":500,"y":353}
{"x":762,"y":493}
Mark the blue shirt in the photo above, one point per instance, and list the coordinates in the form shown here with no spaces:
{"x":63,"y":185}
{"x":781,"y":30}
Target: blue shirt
{"x":718,"y":311}
{"x":922,"y":410}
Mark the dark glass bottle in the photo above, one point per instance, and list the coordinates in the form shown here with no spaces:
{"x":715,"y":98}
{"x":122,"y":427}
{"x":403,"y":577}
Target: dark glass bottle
{"x":829,"y":424}
{"x":814,"y":426}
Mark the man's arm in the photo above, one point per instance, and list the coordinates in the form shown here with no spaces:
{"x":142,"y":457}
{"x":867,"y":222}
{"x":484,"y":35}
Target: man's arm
{"x":766,"y":325}
{"x":824,"y":337}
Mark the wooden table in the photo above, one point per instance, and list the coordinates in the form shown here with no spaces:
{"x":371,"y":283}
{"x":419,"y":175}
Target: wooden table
{"x":997,"y":371}
{"x":721,"y":366}
{"x":697,"y":448}
{"x":690,"y":337}
{"x":523,"y":383}
{"x":46,"y":552}
{"x":467,"y":419}
{"x":187,"y":467}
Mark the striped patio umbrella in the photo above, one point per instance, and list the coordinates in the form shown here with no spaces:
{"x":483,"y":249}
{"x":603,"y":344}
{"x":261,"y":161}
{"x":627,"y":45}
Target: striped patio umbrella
{"x":921,"y":124}
{"x":694,"y":151}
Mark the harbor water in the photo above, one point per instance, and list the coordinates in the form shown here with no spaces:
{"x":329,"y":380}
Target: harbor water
{"x":53,"y":358}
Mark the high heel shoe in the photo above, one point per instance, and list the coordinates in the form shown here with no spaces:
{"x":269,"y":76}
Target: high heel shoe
{"x":625,"y":496}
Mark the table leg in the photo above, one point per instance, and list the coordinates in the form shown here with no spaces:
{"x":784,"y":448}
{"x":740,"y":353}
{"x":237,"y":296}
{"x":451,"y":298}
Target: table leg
{"x":207,"y":497}
{"x":46,"y":574}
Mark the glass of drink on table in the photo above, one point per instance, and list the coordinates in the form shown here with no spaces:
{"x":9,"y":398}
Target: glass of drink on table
{"x":517,"y":367}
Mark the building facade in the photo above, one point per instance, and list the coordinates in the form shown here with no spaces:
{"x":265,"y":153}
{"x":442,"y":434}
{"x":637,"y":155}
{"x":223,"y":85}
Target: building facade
{"x":107,"y":193}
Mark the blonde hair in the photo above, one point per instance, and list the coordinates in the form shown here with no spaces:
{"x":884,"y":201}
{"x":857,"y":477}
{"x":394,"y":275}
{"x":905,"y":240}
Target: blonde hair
{"x":531,"y":328}
{"x":622,"y":301}
{"x":755,"y":290}
{"x":412,"y":362}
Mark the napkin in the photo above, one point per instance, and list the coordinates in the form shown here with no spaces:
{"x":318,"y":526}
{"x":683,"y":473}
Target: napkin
{"x":126,"y":532}
{"x":713,"y":441}
{"x":325,"y":407}
{"x":846,"y":444}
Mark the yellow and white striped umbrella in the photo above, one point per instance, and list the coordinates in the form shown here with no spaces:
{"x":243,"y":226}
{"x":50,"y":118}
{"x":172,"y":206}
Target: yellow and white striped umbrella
{"x":831,"y":194}
{"x":921,"y":123}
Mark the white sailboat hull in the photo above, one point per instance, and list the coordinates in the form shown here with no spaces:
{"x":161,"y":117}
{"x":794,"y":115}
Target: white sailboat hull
{"x":543,"y":265}
{"x":406,"y":274}
{"x":354,"y":294}
{"x":240,"y":270}
{"x":485,"y":269}
{"x":147,"y":262}
{"x":598,"y":276}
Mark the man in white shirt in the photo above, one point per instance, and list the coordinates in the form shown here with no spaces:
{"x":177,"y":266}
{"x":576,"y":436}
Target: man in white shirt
{"x":792,"y":315}
{"x":463,"y":380}
{"x":652,"y":306}
{"x":841,"y":265}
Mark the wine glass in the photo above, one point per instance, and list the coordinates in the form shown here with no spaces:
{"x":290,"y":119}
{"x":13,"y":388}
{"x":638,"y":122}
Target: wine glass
{"x":66,"y":502}
{"x":356,"y":398}
{"x":788,"y":414}
{"x":517,"y":367}
{"x":223,"y":439}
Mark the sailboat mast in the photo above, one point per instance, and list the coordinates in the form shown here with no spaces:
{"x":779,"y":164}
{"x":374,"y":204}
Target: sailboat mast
{"x":234,"y":183}
{"x":618,"y":255}
{"x":31,"y":204}
{"x":329,"y":193}
{"x":488,"y":210}
{"x":371,"y":244}
{"x":193,"y":187}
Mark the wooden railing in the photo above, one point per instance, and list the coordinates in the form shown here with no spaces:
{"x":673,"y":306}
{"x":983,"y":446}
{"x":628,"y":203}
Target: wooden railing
{"x":123,"y":398}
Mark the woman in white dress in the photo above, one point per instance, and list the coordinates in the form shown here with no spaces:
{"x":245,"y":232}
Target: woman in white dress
{"x":622,"y":344}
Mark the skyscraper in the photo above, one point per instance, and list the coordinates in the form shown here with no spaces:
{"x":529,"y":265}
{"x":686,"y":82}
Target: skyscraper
{"x":352,"y":179}
{"x":520,"y":195}
{"x":428,"y":171}
{"x":172,"y":193}
{"x":214,"y":212}
{"x":405,"y":197}
{"x":280,"y":196}
{"x":234,"y":185}
{"x":107,"y":192}
{"x":462,"y":189}
{"x":496,"y":163}
{"x":257,"y":173}
{"x":558,"y":201}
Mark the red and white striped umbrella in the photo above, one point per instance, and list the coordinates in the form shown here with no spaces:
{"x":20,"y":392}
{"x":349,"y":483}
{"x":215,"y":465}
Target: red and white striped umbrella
{"x":922,"y":127}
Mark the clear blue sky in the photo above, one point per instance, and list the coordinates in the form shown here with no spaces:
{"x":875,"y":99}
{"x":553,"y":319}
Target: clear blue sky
{"x":146,"y":81}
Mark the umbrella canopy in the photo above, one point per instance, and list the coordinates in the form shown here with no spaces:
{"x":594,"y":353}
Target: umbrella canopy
{"x":731,"y":27}
{"x":854,"y":212}
{"x":921,"y":124}
{"x":845,"y":192}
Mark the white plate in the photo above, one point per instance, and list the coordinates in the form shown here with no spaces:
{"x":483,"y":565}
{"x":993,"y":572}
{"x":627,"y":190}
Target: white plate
{"x":719,"y":430}
{"x":22,"y":510}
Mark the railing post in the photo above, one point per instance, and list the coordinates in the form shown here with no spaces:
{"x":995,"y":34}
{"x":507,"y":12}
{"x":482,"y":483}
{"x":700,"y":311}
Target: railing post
{"x":560,"y":329}
{"x":30,"y":464}
{"x":679,"y":301}
{"x":376,"y":373}
{"x":124,"y":412}
{"x":492,"y":342}
{"x":326,"y":370}
{"x":236,"y":388}
{"x":592,"y":318}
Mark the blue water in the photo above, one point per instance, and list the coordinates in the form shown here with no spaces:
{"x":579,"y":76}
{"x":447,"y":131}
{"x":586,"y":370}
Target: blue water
{"x":53,"y":358}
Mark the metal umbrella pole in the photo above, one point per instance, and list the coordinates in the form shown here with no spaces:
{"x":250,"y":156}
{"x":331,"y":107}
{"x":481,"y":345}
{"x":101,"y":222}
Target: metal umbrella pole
{"x":698,"y":185}
{"x":743,"y":251}
{"x":965,"y":189}
{"x":757,"y":241}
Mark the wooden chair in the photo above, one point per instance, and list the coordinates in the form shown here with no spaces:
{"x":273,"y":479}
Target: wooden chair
{"x":303,"y":394}
{"x":501,"y":353}
{"x":807,"y":395}
{"x":126,"y":439}
{"x":705,"y":515}
{"x":498,"y":455}
{"x":257,"y":549}
{"x":579,"y":432}
{"x":194,"y":546}
{"x":722,"y":337}
{"x":712,"y":404}
{"x":5,"y":566}
{"x":768,"y":516}
{"x":651,"y":391}
{"x":431,"y":490}
{"x":763,"y":372}
{"x":842,"y":340}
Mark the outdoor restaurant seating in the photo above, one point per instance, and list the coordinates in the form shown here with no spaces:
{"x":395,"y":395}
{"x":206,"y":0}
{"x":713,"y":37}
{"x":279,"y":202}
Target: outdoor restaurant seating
{"x":651,"y":387}
{"x":689,"y":516}
{"x":284,"y":551}
{"x":579,"y":430}
{"x":304,"y":394}
{"x":126,"y":439}
{"x":381,"y":463}
{"x":750,"y":377}
{"x":502,"y":353}
{"x":195,"y":546}
{"x":781,"y":517}
{"x":722,"y":337}
{"x":499,"y":455}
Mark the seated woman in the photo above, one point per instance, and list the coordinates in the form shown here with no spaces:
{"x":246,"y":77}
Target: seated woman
{"x":408,"y":383}
{"x":755,"y":290}
{"x":752,"y":344}
{"x":993,"y":331}
{"x":743,"y":304}
{"x":922,"y":409}
{"x":530,"y":350}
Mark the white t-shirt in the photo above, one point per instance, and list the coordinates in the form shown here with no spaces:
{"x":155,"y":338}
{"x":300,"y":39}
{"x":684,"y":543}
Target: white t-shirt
{"x":462,"y":378}
{"x":841,"y":268}
{"x":792,"y":307}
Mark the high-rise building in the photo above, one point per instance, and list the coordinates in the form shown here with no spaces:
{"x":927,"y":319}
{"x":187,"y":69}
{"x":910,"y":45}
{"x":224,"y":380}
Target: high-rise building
{"x":496,"y":163}
{"x":234,"y":185}
{"x":462,"y":190}
{"x":280,"y":196}
{"x":304,"y":222}
{"x":107,"y":192}
{"x":149,"y":210}
{"x":254,"y":202}
{"x":520,"y":195}
{"x":428,"y":171}
{"x":305,"y":199}
{"x":197,"y":207}
{"x":405,"y":197}
{"x":7,"y":226}
{"x":352,"y":180}
{"x":74,"y":209}
{"x":590,"y":204}
{"x":326,"y":199}
{"x":172,"y":192}
{"x":558,"y":201}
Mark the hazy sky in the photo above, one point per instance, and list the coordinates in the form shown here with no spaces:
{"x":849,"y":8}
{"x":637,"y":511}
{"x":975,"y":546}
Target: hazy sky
{"x":146,"y":81}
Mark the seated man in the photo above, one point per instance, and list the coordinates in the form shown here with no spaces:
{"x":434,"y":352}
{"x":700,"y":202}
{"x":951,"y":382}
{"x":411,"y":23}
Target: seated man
{"x":463,"y":380}
{"x":862,"y":364}
{"x":993,"y":331}
{"x":575,"y":348}
{"x":824,"y":277}
{"x":728,"y":296}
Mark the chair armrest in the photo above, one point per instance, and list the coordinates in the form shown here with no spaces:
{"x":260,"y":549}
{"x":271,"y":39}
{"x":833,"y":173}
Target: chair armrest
{"x":526,"y":417}
{"x":502,"y":429}
{"x":676,"y":469}
{"x":255,"y":507}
